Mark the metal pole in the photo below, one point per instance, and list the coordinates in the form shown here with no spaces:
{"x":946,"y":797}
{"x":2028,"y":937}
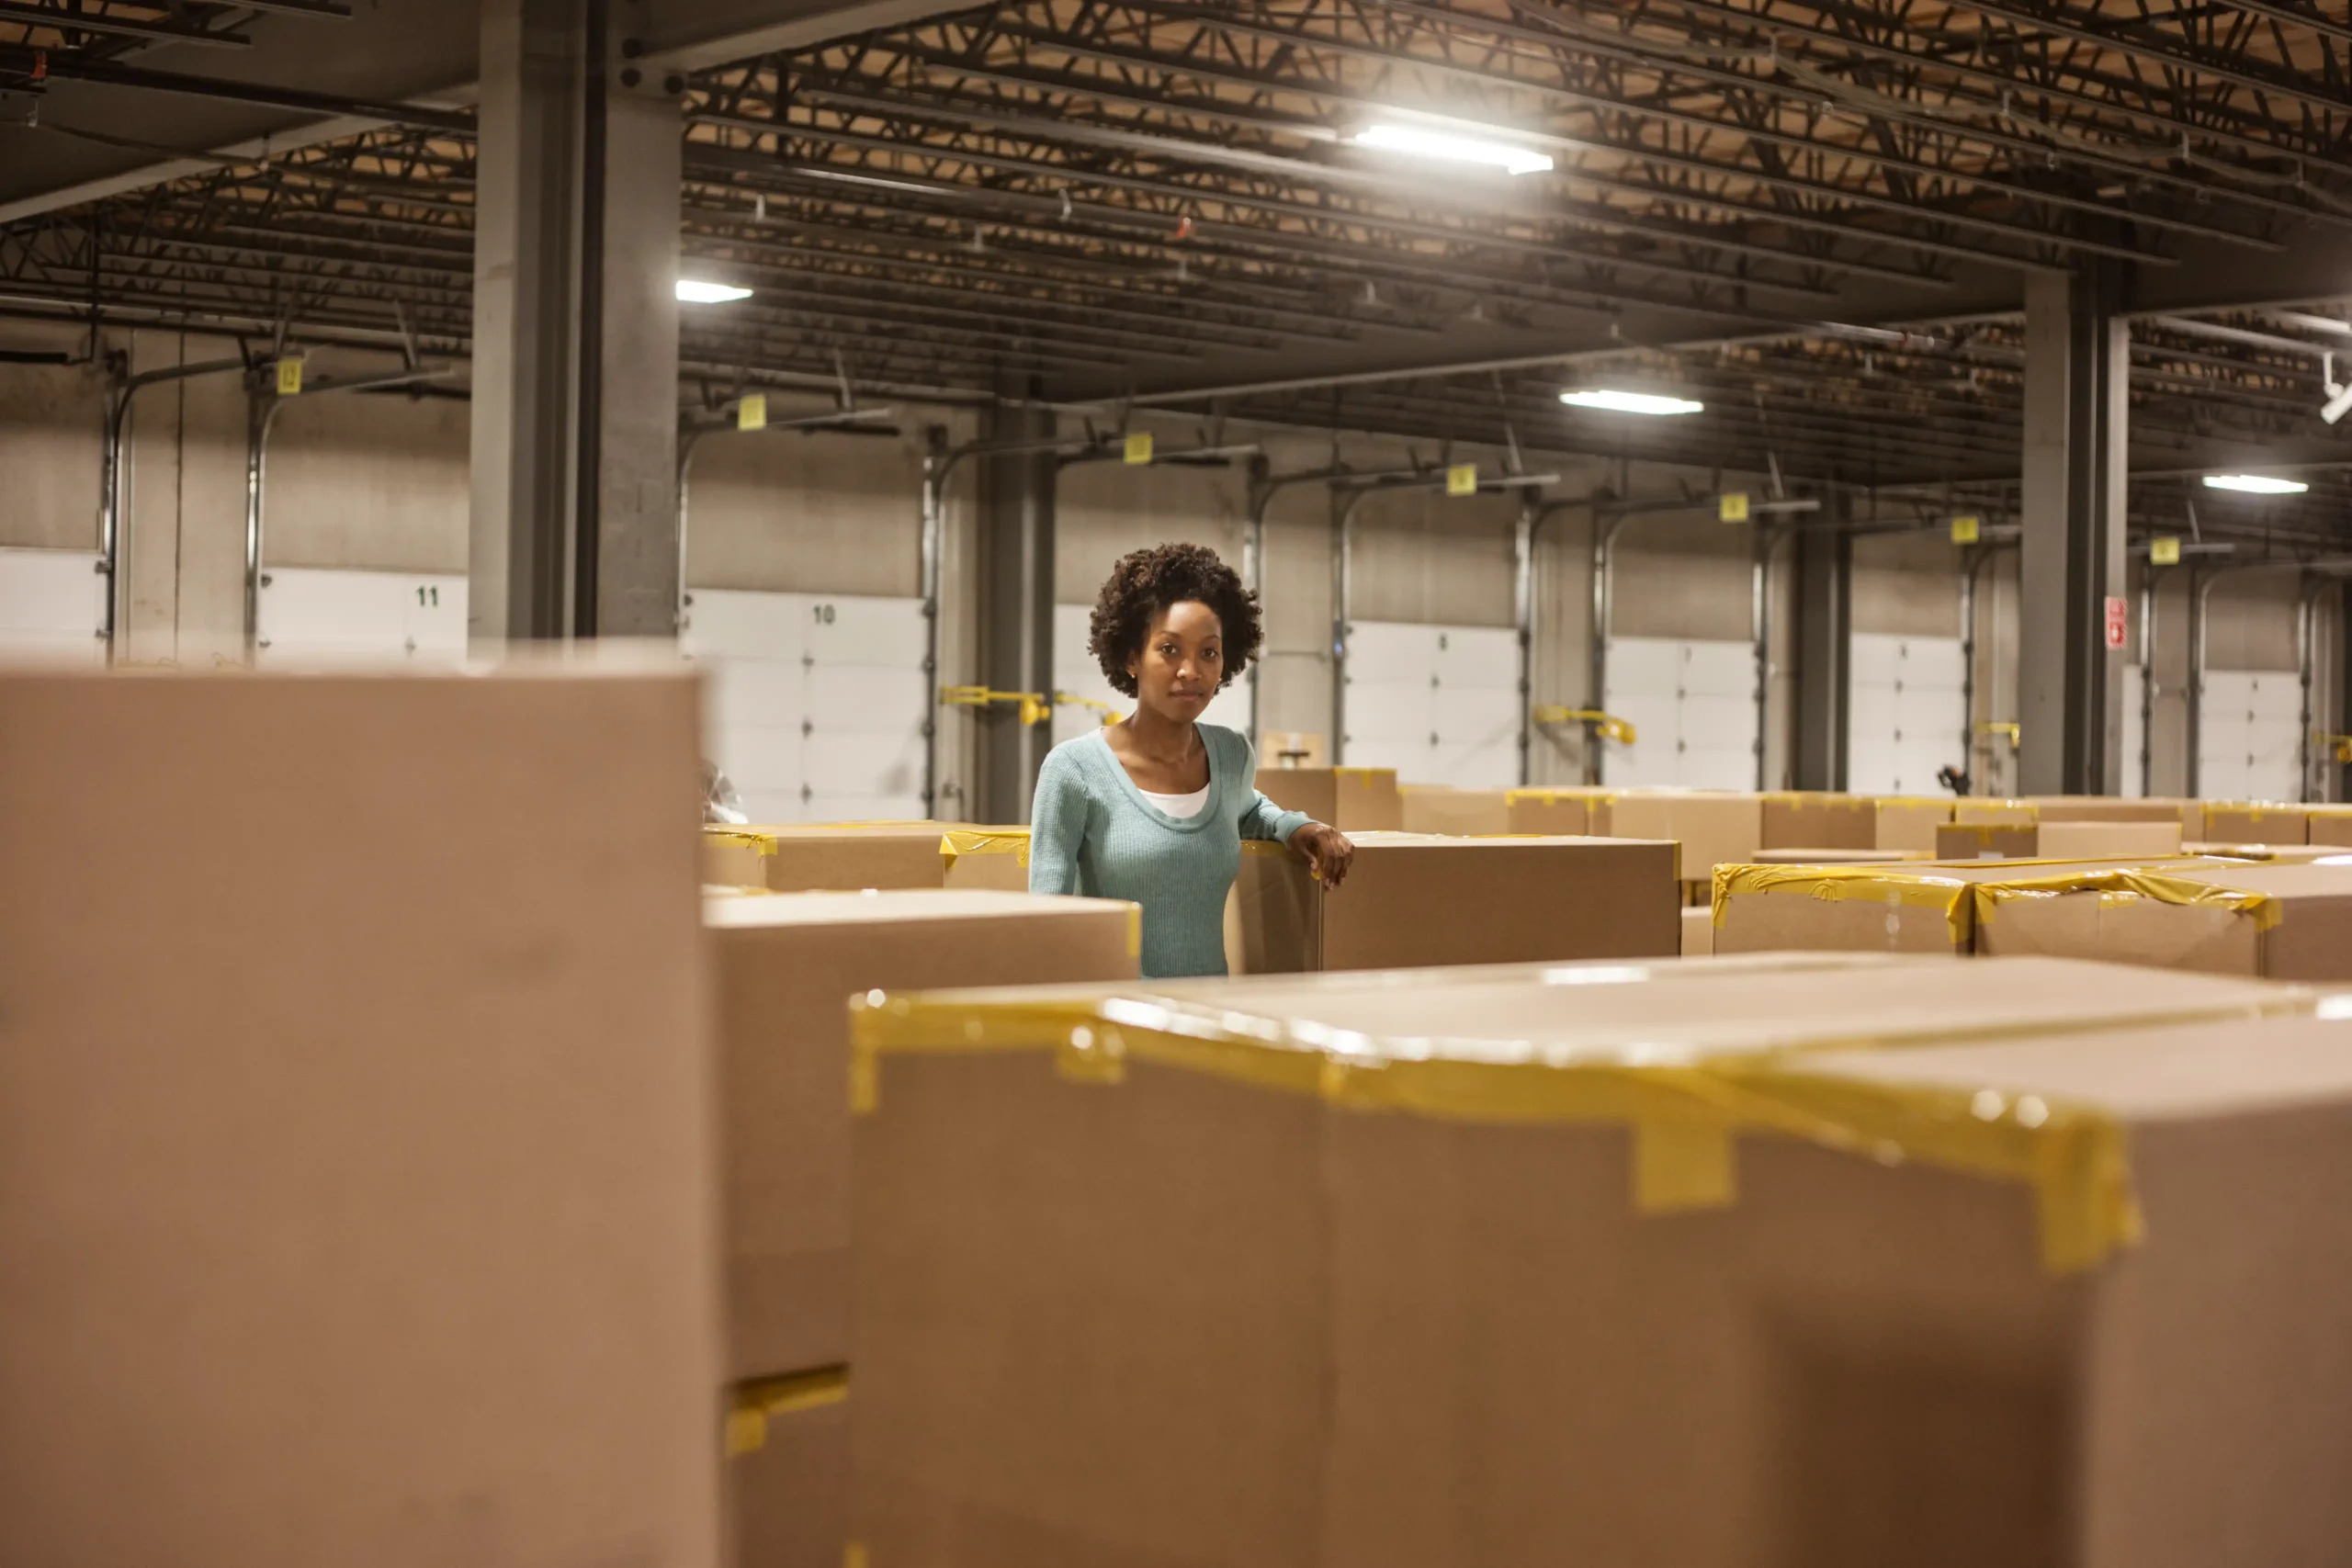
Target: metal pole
{"x":2200,"y":587}
{"x":937,"y":463}
{"x":1531,"y":517}
{"x":1606,"y":522}
{"x":1253,"y":578}
{"x":261,"y":412}
{"x":2306,"y":618}
{"x":2148,"y":581}
{"x":688,"y":440}
{"x":1343,"y":507}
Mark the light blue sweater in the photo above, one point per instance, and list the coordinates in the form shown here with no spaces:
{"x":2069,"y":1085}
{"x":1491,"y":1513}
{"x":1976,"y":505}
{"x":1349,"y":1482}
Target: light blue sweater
{"x":1093,"y":832}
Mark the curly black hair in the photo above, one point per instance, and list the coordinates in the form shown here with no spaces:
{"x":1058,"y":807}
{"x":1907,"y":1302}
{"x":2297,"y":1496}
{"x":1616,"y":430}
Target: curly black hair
{"x":1145,"y":583}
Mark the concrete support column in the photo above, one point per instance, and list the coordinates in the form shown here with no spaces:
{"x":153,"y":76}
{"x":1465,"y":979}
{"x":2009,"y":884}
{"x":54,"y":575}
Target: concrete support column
{"x":1824,"y":628}
{"x":2070,"y":683}
{"x":1016,"y":611}
{"x":575,"y":353}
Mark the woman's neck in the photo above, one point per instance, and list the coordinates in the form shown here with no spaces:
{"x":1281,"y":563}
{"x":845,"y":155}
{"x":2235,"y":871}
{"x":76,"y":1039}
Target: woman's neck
{"x":1159,"y":737}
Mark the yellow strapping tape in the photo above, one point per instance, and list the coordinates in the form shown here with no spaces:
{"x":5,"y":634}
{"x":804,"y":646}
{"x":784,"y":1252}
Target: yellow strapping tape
{"x":984,"y":841}
{"x":2116,"y":887}
{"x":744,"y":838}
{"x":1860,"y":884}
{"x":757,"y":1403}
{"x":1134,"y":930}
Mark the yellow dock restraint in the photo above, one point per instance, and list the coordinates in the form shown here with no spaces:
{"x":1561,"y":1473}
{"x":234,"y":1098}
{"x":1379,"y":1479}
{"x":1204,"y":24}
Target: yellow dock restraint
{"x":1684,"y":1116}
{"x":757,"y":1403}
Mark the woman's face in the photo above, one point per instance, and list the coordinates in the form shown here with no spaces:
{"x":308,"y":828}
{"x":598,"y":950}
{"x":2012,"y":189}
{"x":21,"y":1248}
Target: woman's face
{"x":1182,"y":662}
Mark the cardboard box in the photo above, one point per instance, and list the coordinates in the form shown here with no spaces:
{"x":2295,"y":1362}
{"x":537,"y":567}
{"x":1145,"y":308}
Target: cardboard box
{"x":1354,"y":800}
{"x":2283,"y":922}
{"x":1859,"y":1349}
{"x":2103,"y":808}
{"x":2010,"y":813}
{"x":1554,"y":813}
{"x":2256,"y":823}
{"x":788,"y":1496}
{"x":359,"y":1202}
{"x":1924,"y":907}
{"x":1434,"y":808}
{"x":787,"y":969}
{"x":2057,"y":841}
{"x":1903,"y":823}
{"x":1834,"y":857}
{"x":2270,"y":854}
{"x":1713,"y":828}
{"x":1810,"y":820}
{"x":991,"y":860}
{"x":846,"y":858}
{"x":1697,"y":933}
{"x":1415,"y":902}
{"x":2330,"y":825}
{"x":1292,"y":748}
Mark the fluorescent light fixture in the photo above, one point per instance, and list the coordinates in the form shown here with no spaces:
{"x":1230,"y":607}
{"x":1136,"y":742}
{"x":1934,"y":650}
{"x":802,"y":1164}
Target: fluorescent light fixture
{"x":2255,"y":484}
{"x":1453,"y":147}
{"x":1631,"y":402}
{"x":691,"y":292}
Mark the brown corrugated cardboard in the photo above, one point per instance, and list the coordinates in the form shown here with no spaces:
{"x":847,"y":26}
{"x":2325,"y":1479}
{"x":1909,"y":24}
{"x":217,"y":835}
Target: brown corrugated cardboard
{"x":2009,"y":812}
{"x":1923,"y":906}
{"x":2103,"y":808}
{"x":1411,"y":903}
{"x":2096,"y":840}
{"x":1713,"y":828}
{"x":838,"y":858}
{"x":1423,"y":1337}
{"x":1435,"y":808}
{"x":2329,"y":825}
{"x":1292,"y":748}
{"x":1834,"y":857}
{"x":789,"y":1498}
{"x":786,"y":968}
{"x":357,"y":1203}
{"x":1908,"y":823}
{"x":1698,"y":933}
{"x":1354,"y":800}
{"x":2283,"y":922}
{"x":1810,"y":820}
{"x":2239,"y":822}
{"x":2270,"y":854}
{"x":1556,"y":813}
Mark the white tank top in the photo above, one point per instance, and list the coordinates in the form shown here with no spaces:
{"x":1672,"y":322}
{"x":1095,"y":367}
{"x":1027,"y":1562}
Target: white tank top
{"x":1180,"y":806}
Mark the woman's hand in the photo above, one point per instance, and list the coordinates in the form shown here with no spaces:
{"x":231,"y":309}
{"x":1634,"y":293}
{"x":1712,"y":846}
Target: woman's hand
{"x":1327,"y":850}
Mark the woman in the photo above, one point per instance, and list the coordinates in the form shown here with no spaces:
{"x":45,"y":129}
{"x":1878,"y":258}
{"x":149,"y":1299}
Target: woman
{"x":1154,"y":809}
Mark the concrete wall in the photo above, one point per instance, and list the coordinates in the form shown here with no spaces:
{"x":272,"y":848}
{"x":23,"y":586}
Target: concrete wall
{"x":378,"y":481}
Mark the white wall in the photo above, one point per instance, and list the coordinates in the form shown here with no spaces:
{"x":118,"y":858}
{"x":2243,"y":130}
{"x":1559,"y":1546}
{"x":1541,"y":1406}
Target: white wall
{"x":378,"y":483}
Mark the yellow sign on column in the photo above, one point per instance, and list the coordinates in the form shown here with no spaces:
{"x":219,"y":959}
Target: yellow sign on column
{"x":1138,"y":448}
{"x":289,"y":375}
{"x":2164,"y":550}
{"x":1963,"y":530}
{"x":1733,"y":508}
{"x":751,"y":411}
{"x":1462,"y":478}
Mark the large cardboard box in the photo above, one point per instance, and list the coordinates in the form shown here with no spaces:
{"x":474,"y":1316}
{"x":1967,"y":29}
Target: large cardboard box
{"x":1698,"y":933}
{"x":2006,"y":813}
{"x":1835,"y":857}
{"x":836,"y":858}
{"x":1389,"y":1274}
{"x":1436,"y":808}
{"x":1918,"y":908}
{"x":1554,"y":813}
{"x":2285,"y":922}
{"x":2096,"y":840}
{"x":1811,"y":821}
{"x":1413,"y":902}
{"x":786,"y":968}
{"x":1906,"y":823}
{"x":2330,"y":825}
{"x":2241,"y":822}
{"x":1354,"y":800}
{"x":356,"y":1155}
{"x":2103,"y":808}
{"x":1715,"y":828}
{"x":788,"y":1477}
{"x":2270,"y":854}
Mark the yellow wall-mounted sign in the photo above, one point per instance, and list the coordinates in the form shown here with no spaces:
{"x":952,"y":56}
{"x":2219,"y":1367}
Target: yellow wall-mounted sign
{"x":2164,"y":550}
{"x":1462,"y":478}
{"x":1138,"y":448}
{"x":1964,"y":530}
{"x":751,"y":411}
{"x":1731,"y":508}
{"x":289,"y":375}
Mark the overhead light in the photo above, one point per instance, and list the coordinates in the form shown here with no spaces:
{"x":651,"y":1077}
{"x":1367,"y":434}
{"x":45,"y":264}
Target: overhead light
{"x":2255,"y":484}
{"x":692,"y":292}
{"x":1453,"y":146}
{"x":1631,"y":402}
